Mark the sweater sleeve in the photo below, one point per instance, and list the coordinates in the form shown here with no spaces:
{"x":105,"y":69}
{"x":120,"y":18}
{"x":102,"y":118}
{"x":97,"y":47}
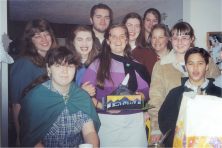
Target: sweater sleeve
{"x":157,"y":97}
{"x":22,"y":73}
{"x":91,"y":73}
{"x":168,"y":114}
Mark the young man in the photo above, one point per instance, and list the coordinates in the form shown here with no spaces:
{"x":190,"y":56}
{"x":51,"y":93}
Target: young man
{"x":101,"y":17}
{"x":196,"y":63}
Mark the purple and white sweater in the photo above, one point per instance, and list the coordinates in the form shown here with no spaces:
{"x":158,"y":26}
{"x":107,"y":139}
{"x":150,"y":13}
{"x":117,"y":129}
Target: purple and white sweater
{"x":120,"y":66}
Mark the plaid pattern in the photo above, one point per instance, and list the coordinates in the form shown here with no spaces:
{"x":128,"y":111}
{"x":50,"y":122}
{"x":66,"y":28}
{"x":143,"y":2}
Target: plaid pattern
{"x":66,"y":131}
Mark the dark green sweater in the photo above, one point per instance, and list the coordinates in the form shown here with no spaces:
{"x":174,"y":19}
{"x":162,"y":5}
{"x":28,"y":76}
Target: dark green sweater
{"x":41,"y":107}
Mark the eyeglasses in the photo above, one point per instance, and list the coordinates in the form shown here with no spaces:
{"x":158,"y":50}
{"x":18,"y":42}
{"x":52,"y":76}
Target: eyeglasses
{"x":183,"y":38}
{"x":117,"y":38}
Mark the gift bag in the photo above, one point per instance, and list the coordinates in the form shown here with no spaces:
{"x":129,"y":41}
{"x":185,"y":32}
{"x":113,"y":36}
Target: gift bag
{"x":199,"y":122}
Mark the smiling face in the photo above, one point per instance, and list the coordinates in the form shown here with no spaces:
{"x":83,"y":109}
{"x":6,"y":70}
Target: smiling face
{"x":181,"y":42}
{"x":159,"y":40}
{"x":42,"y":42}
{"x":149,"y":21}
{"x":100,"y":20}
{"x":61,"y":75}
{"x":117,"y":40}
{"x":83,"y":43}
{"x":133,"y":26}
{"x":196,"y":67}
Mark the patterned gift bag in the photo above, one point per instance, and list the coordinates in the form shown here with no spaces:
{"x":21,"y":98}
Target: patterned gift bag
{"x":199,"y":122}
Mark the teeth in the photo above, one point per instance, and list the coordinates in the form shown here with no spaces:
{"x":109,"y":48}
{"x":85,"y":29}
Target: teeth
{"x":84,"y":48}
{"x":45,"y":44}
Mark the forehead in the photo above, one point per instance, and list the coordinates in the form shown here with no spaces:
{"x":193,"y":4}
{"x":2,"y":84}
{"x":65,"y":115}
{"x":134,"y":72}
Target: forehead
{"x":195,"y":57}
{"x":103,"y":12}
{"x":151,"y":16}
{"x":158,"y":31}
{"x":117,"y":31}
{"x":133,"y":21}
{"x":83,"y":34}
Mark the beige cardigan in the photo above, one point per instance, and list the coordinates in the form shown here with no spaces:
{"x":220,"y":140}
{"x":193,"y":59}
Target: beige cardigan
{"x":165,"y":76}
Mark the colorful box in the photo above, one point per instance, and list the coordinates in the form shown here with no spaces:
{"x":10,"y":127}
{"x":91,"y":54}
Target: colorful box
{"x":124,"y":102}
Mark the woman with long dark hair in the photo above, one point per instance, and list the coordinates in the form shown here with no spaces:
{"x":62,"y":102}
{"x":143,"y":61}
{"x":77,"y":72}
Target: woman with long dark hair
{"x":38,"y":38}
{"x":118,"y":127}
{"x":145,"y":56}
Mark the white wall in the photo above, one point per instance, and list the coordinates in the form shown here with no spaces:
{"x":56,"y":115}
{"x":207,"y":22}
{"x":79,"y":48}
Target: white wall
{"x":205,"y":16}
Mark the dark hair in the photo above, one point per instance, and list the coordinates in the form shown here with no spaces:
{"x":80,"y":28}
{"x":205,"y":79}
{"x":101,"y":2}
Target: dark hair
{"x":28,"y":49}
{"x":135,"y":16}
{"x":195,"y":50}
{"x":153,"y":11}
{"x":166,"y":33}
{"x":60,"y":55}
{"x":183,"y":28}
{"x":102,"y":6}
{"x":71,"y":37}
{"x":105,"y":57}
{"x":157,"y":14}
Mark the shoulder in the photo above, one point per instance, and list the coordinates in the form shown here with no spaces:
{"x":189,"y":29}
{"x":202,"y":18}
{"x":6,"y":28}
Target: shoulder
{"x":176,"y":91}
{"x":35,"y":94}
{"x":212,"y":89}
{"x":23,"y":63}
{"x":168,"y":59}
{"x":144,"y":52}
{"x":95,"y":63}
{"x":78,"y":91}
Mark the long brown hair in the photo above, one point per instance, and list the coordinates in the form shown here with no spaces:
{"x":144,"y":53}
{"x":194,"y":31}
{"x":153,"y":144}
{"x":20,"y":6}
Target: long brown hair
{"x":134,"y":15}
{"x":157,"y":14}
{"x":105,"y":57}
{"x":28,"y":49}
{"x":71,"y":37}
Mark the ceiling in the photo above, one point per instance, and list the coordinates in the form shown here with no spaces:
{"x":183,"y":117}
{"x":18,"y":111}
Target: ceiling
{"x":77,"y":11}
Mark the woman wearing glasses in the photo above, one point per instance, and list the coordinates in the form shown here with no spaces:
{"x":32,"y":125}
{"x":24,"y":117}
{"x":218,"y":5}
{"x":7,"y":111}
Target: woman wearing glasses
{"x":167,"y":72}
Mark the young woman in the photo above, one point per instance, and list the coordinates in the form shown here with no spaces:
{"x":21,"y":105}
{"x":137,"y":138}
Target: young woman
{"x":196,"y":62}
{"x":82,"y":41}
{"x":151,"y":17}
{"x":167,"y":72}
{"x":147,"y":57}
{"x":159,"y":40}
{"x":37,"y":39}
{"x":55,"y":112}
{"x":122,"y":128}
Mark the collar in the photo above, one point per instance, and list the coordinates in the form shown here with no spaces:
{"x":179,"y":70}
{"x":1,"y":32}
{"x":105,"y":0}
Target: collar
{"x":48,"y":84}
{"x":169,"y":58}
{"x":196,"y":89}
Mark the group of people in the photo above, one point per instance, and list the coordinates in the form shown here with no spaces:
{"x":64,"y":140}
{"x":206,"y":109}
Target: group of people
{"x":58,"y":93}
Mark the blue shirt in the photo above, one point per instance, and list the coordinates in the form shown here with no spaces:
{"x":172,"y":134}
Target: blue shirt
{"x":22,"y":73}
{"x":79,"y":74}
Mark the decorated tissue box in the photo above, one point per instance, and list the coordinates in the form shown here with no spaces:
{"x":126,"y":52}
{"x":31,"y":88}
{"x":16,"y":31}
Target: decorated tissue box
{"x":124,"y":102}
